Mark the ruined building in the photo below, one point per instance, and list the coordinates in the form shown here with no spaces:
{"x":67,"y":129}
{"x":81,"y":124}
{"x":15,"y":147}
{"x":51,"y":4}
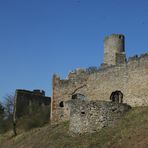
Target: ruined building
{"x":28,"y":102}
{"x":117,"y":73}
{"x":90,"y":116}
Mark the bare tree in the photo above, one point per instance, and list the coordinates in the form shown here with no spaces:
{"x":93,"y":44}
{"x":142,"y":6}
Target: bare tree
{"x":1,"y":111}
{"x":9,"y":105}
{"x":9,"y":110}
{"x":1,"y":118}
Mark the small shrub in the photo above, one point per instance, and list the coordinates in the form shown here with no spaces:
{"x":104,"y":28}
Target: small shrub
{"x":5,"y":125}
{"x":5,"y":121}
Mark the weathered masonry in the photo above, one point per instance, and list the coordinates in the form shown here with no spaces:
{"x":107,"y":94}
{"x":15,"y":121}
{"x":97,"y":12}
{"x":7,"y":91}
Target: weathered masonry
{"x":27,"y":102}
{"x":91,"y":116}
{"x":116,"y":74}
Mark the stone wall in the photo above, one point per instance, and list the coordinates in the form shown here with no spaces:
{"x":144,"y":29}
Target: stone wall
{"x":63,"y":91}
{"x":128,"y":76}
{"x":29,"y":101}
{"x":90,"y":116}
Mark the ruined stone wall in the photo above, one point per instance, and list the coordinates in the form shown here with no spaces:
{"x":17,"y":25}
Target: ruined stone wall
{"x":29,"y":101}
{"x":62,"y":91}
{"x":91,"y":116}
{"x":130,"y":78}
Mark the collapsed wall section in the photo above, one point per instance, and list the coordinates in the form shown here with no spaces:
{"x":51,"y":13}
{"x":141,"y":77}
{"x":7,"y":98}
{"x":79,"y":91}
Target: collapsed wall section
{"x":91,"y":116}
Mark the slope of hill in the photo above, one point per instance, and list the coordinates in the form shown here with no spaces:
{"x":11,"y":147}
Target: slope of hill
{"x":130,"y":132}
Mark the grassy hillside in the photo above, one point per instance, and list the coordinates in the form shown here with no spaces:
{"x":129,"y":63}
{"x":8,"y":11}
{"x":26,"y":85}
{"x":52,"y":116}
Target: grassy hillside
{"x":130,"y":132}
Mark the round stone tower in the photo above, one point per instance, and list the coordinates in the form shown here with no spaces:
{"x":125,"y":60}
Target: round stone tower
{"x":114,"y":52}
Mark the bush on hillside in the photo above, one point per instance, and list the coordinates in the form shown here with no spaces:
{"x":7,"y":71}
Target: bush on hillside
{"x":35,"y":119}
{"x":5,"y":121}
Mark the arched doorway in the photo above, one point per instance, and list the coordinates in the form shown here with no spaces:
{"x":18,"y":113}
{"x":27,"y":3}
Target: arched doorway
{"x":116,"y":96}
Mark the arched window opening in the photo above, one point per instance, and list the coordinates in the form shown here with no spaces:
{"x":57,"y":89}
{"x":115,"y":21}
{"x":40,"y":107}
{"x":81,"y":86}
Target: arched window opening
{"x":116,"y":96}
{"x":120,"y":37}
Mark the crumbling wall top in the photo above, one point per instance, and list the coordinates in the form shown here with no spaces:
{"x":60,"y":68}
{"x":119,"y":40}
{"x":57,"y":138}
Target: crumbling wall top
{"x":90,"y":116}
{"x":121,"y":36}
{"x":34,"y":92}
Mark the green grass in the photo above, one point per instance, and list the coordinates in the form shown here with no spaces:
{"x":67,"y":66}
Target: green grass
{"x":129,"y":132}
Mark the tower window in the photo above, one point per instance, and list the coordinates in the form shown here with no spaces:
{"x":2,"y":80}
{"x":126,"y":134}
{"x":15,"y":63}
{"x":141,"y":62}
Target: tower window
{"x":120,"y":37}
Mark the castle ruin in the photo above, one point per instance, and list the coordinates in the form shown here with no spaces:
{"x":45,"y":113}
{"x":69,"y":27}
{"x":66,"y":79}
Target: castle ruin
{"x":117,"y":73}
{"x":29,"y":102}
{"x":90,"y":116}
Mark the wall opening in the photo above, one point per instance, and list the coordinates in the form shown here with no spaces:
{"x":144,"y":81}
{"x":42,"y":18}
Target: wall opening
{"x":116,"y":96}
{"x":82,"y":112}
{"x":120,"y":37}
{"x":61,"y":104}
{"x":78,"y":96}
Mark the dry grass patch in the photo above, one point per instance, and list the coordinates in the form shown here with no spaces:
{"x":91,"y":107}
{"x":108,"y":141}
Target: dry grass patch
{"x":131,"y":131}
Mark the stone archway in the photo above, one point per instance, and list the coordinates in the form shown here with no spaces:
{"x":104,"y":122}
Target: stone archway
{"x":116,"y":96}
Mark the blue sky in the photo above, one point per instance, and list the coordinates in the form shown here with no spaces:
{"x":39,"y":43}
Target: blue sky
{"x":41,"y":37}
